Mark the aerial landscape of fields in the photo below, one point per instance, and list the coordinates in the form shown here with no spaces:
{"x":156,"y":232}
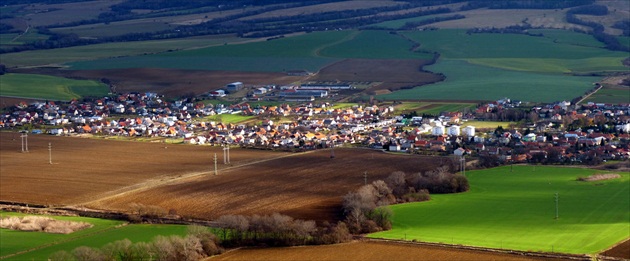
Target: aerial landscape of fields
{"x":315,"y":130}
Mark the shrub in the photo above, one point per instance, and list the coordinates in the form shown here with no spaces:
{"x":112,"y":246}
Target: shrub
{"x":44,"y":224}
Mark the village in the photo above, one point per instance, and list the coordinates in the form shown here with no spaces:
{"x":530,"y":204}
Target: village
{"x":557,"y":133}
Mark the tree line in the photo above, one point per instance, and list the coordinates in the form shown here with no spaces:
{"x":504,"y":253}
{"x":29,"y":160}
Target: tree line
{"x":366,"y":210}
{"x":611,"y":42}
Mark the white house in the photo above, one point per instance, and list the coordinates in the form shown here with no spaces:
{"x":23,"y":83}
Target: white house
{"x":438,"y":130}
{"x":469,"y":131}
{"x":453,"y":130}
{"x":259,"y":91}
{"x":623,"y":127}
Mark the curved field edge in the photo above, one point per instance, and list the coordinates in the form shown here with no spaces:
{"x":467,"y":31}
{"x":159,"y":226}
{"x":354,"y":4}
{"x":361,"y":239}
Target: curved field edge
{"x":49,"y":87}
{"x":465,"y":81}
{"x":41,"y":245}
{"x":311,"y":51}
{"x":516,"y":210}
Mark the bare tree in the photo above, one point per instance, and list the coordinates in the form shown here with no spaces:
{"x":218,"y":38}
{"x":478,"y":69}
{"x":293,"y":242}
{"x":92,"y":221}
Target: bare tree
{"x":61,"y":256}
{"x":397,"y":181}
{"x":84,"y":253}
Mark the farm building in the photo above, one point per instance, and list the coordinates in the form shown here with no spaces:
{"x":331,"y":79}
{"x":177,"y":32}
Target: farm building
{"x":453,"y":130}
{"x":438,"y":130}
{"x":327,"y":86}
{"x":469,"y":131}
{"x":259,"y":91}
{"x":217,"y":93}
{"x":235,"y":86}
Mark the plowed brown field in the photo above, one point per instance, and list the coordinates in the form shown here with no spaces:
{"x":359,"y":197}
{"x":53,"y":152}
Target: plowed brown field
{"x":86,"y":169}
{"x":394,"y":74}
{"x":368,"y":251}
{"x":110,"y":174}
{"x":620,"y":251}
{"x":306,"y":186}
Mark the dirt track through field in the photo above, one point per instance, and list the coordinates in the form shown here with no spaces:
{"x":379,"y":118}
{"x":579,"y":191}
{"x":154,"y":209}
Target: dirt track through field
{"x":149,"y":184}
{"x":304,"y":186}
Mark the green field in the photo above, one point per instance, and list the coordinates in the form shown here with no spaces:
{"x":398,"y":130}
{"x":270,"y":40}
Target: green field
{"x":375,"y":45}
{"x":611,"y":95}
{"x":229,"y":118}
{"x":107,"y":50}
{"x":466,"y":81}
{"x":310,"y":51}
{"x":487,"y":124}
{"x":433,"y":108}
{"x":49,"y":87}
{"x":516,"y":210}
{"x":103,"y":232}
{"x":523,"y":67}
{"x":292,"y":53}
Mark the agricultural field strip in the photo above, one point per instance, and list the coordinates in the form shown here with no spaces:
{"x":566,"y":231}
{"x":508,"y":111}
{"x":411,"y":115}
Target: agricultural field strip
{"x":63,"y":241}
{"x":317,"y":52}
{"x":163,"y":180}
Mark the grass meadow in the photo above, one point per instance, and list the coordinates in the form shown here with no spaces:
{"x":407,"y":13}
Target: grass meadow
{"x":517,"y":210}
{"x":39,"y":245}
{"x":49,"y":87}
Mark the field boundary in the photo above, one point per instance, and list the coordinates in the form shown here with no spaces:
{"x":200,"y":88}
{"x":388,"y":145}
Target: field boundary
{"x":487,"y":249}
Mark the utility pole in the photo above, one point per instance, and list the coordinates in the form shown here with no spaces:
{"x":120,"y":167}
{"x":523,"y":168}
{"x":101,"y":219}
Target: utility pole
{"x":24,"y":137}
{"x":556,"y":205}
{"x":462,"y":165}
{"x":215,"y":164}
{"x":365,"y":177}
{"x":224,"y":154}
{"x":50,"y":153}
{"x":332,"y":150}
{"x":228,"y":153}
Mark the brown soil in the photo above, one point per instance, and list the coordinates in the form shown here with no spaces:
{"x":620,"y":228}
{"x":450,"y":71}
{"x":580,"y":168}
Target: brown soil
{"x":85,"y":169}
{"x":169,"y":82}
{"x":10,"y":101}
{"x":394,"y":74}
{"x":368,"y":250}
{"x":621,"y":251}
{"x":305,"y":186}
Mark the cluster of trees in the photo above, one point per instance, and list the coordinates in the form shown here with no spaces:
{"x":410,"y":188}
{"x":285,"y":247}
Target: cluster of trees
{"x":198,"y":244}
{"x":413,"y":25}
{"x":278,"y":230}
{"x":513,"y":29}
{"x":611,"y":42}
{"x":623,"y":25}
{"x":520,"y":4}
{"x":366,"y":209}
